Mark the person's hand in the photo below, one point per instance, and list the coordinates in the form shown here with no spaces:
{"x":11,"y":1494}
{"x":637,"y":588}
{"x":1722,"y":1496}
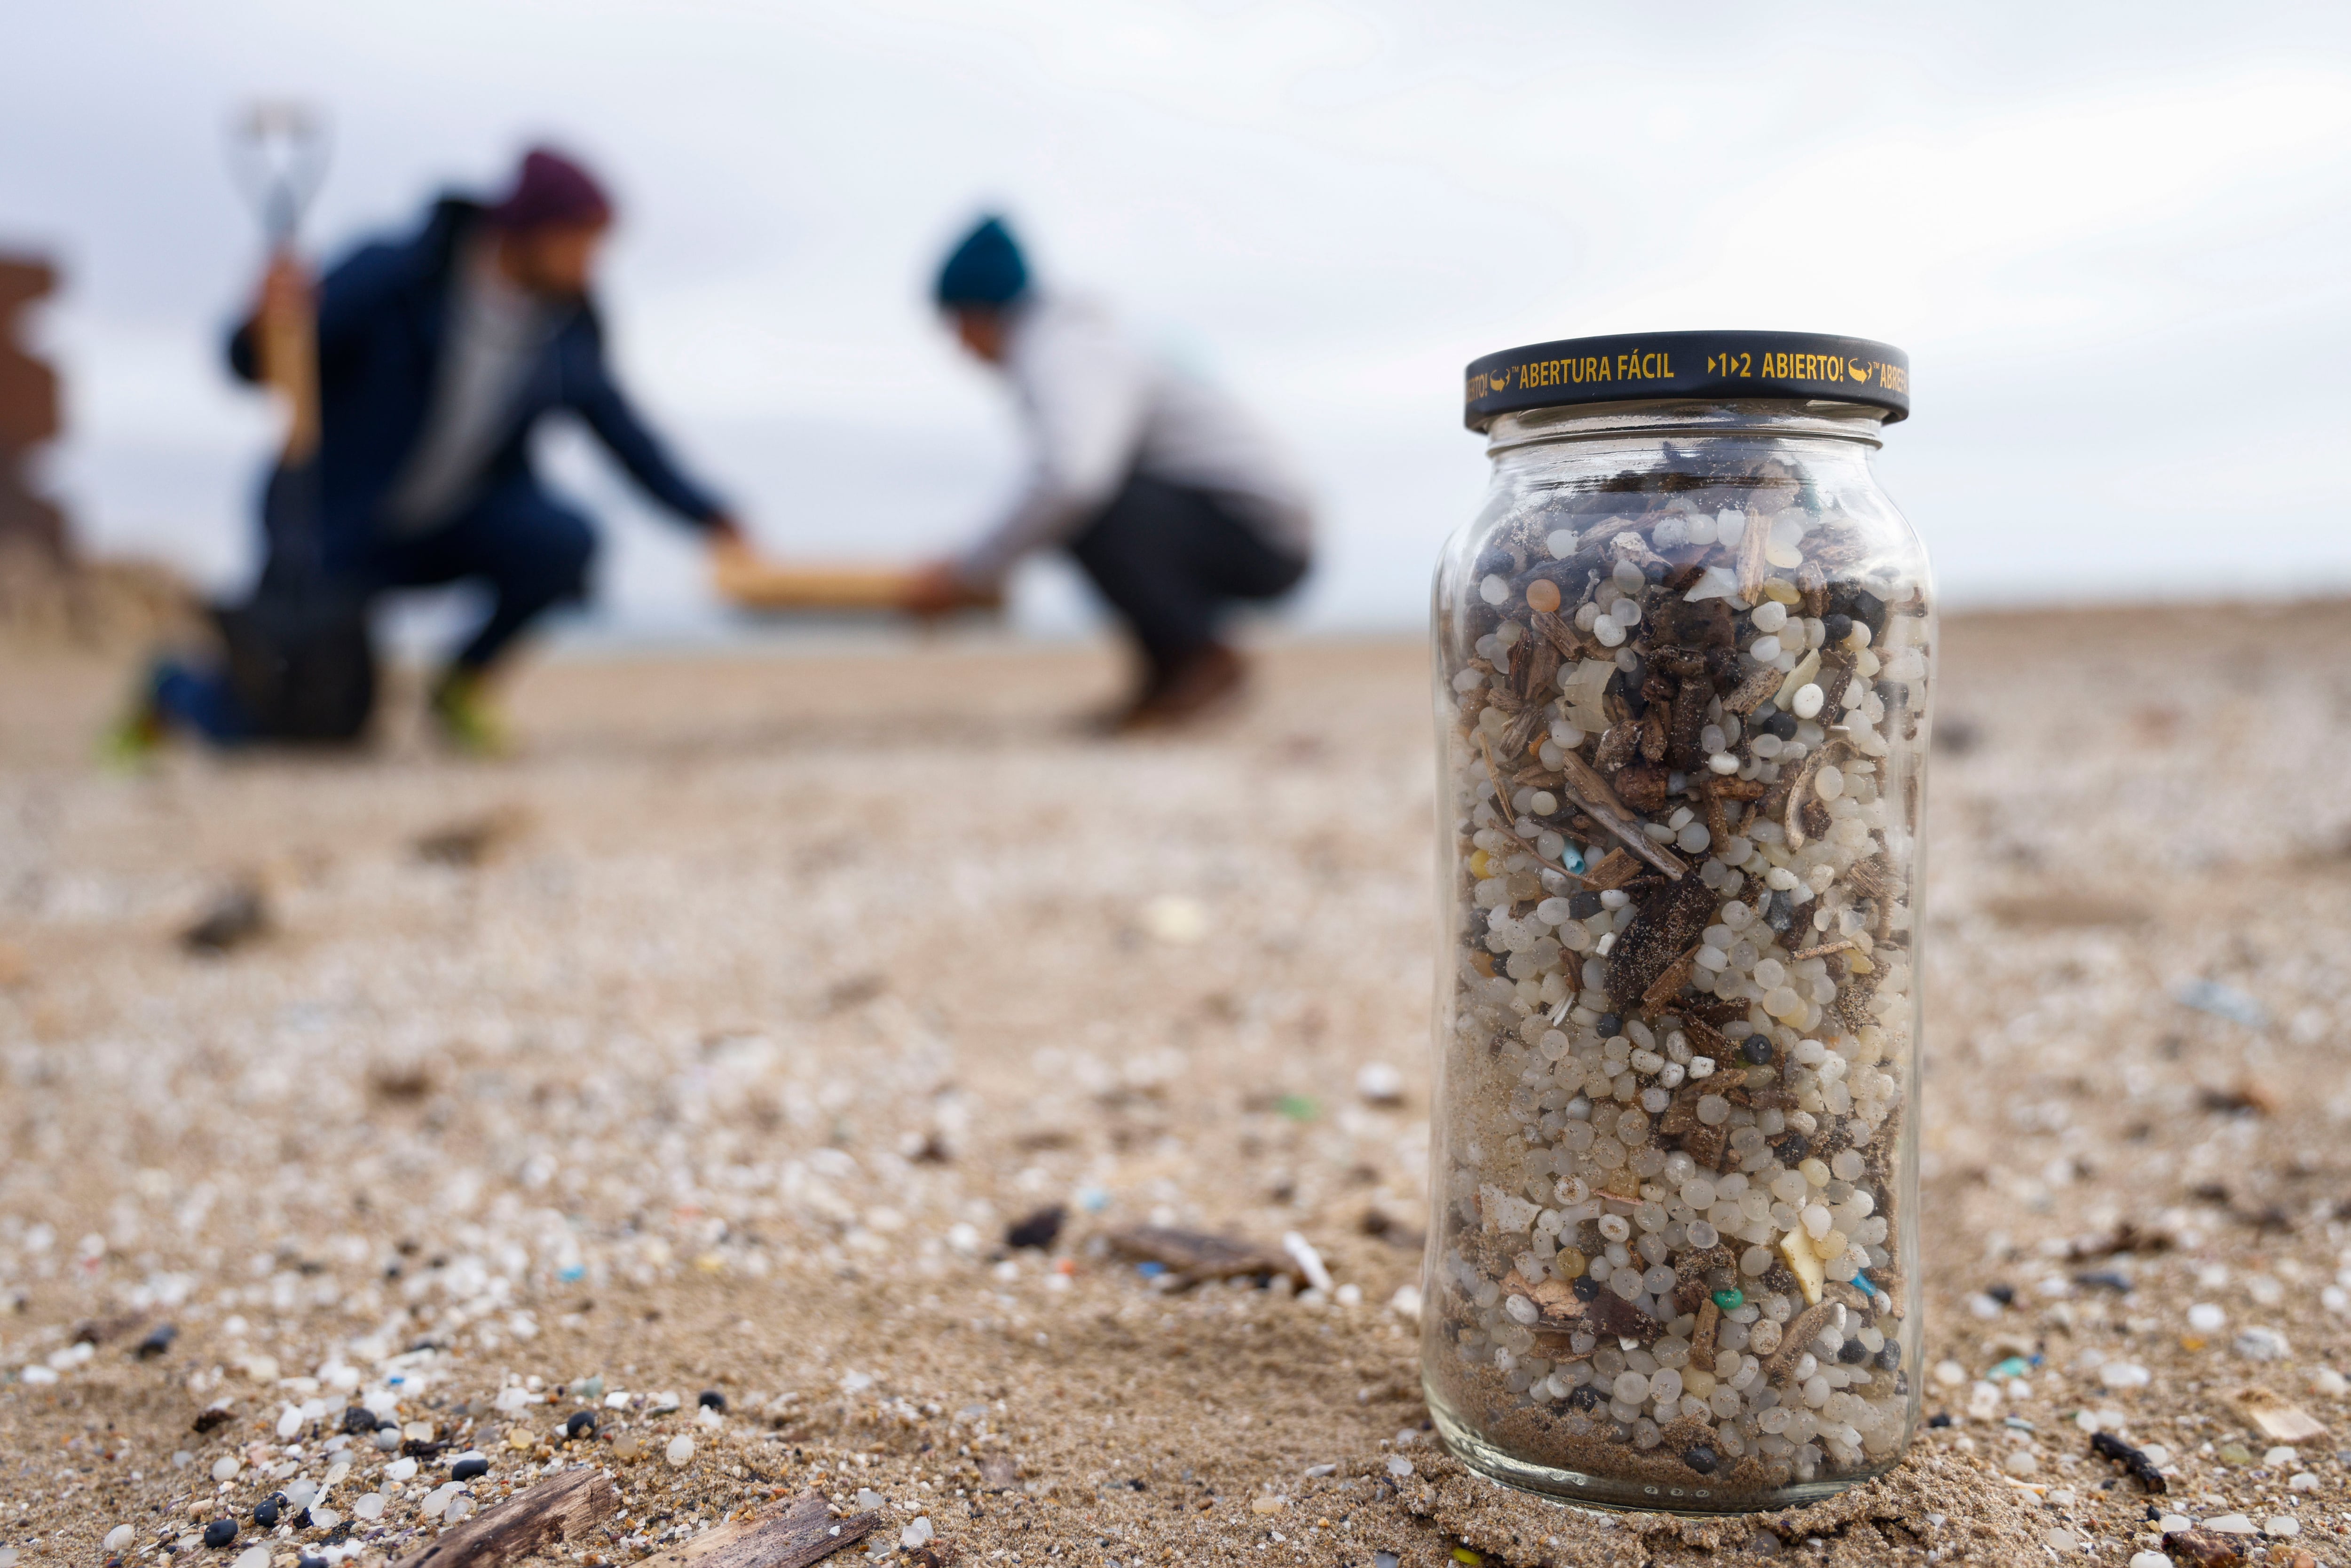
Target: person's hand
{"x":935,"y":590}
{"x":285,"y":290}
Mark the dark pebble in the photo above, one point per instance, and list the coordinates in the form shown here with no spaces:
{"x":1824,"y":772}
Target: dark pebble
{"x":220,"y":1533}
{"x":466,"y":1470}
{"x":711,"y":1399}
{"x":1794,"y":1147}
{"x":1758,"y":1048}
{"x":1701,"y":1458}
{"x":158,"y":1340}
{"x":265,"y":1513}
{"x":2004,"y":1294}
{"x":1943,"y":1419}
{"x":1611,"y":1025}
{"x":1890,"y":1357}
{"x":1782,"y":724}
{"x":1778,"y":911}
{"x":582,"y":1424}
{"x":1038,"y":1231}
{"x":1837,"y":628}
{"x":1584,"y":1286}
{"x":1853,"y":1353}
{"x":358,"y":1418}
{"x":1585,"y":1397}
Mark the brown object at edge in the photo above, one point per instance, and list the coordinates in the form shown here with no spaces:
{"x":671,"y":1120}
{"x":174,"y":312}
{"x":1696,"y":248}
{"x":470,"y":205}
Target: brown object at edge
{"x":2201,"y":1549}
{"x":525,"y":1523}
{"x":1192,"y":1256}
{"x":29,"y":409}
{"x":791,"y":1534}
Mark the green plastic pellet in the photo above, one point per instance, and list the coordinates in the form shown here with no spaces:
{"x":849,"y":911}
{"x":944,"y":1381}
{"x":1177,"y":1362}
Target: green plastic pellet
{"x":1730,"y":1301}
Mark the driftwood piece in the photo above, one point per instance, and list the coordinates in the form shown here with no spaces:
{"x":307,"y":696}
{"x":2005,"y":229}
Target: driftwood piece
{"x":1192,"y":1255}
{"x":1592,"y":792}
{"x":1813,"y":585}
{"x":1670,"y":982}
{"x":1804,"y":1329}
{"x":1509,"y":823}
{"x":1753,"y":567}
{"x":525,"y":1523}
{"x":791,"y":1534}
{"x":1750,"y":693}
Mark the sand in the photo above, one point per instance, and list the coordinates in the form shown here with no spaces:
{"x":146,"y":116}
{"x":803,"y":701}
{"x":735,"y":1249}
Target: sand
{"x":727,"y":1027}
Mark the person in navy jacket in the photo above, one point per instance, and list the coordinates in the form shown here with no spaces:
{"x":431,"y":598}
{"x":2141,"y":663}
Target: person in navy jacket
{"x":439,"y":353}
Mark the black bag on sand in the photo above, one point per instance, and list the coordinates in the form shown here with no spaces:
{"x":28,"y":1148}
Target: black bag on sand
{"x":299,"y":656}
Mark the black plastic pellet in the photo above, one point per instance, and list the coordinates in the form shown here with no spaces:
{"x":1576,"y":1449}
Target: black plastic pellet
{"x":582,"y":1424}
{"x":220,"y":1533}
{"x":1758,"y":1048}
{"x":1583,"y":905}
{"x":2004,"y":1294}
{"x":1837,"y":628}
{"x":1794,"y":1147}
{"x":265,"y":1513}
{"x":466,"y":1470}
{"x":1853,"y":1353}
{"x":1701,"y":1458}
{"x":1038,"y":1231}
{"x":358,"y":1418}
{"x":711,"y":1399}
{"x":1610,"y":1026}
{"x":1782,"y":724}
{"x":1890,"y":1357}
{"x":1943,"y":1419}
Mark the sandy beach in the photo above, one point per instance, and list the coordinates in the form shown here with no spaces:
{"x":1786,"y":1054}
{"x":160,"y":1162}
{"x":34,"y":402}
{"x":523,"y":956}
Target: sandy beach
{"x":709,"y":1046}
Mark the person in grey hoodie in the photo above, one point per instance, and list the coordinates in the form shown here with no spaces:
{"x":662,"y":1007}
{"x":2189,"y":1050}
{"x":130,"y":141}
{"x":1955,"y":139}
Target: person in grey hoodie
{"x":1168,"y":495}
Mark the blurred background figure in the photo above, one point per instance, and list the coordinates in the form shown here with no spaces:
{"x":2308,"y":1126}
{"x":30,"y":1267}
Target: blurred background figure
{"x":1168,"y":495}
{"x":438,"y":353}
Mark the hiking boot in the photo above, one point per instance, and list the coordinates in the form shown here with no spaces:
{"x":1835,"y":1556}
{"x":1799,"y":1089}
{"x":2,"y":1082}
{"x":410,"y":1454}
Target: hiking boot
{"x":1207,"y":683}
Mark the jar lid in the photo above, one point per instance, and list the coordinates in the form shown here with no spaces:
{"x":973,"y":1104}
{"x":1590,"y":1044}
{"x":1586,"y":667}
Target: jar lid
{"x":1637,"y":366}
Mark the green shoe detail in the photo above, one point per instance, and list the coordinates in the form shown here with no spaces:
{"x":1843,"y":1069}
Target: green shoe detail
{"x":469,"y":722}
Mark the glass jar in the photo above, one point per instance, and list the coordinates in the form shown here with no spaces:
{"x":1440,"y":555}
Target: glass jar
{"x":1683,"y":657}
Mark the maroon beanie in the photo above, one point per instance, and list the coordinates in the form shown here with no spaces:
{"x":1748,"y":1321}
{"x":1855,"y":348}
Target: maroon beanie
{"x":550,"y":190}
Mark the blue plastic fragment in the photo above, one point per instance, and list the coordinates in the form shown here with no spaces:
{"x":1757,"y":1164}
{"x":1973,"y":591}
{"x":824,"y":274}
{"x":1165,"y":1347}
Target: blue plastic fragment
{"x":2014,"y":1367}
{"x":572,"y":1271}
{"x":1151,"y":1270}
{"x":1092,"y":1199}
{"x":2223,"y":1001}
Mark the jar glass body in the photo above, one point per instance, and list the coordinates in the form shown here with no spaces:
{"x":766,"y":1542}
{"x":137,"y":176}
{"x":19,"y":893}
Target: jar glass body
{"x":1682,"y":659}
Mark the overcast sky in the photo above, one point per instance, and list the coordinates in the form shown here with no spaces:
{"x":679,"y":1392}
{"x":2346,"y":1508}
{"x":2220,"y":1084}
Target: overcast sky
{"x":2113,"y":240}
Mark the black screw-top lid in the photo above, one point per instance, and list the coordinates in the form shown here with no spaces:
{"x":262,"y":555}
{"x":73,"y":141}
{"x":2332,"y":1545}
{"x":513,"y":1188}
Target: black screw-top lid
{"x":1637,"y":366}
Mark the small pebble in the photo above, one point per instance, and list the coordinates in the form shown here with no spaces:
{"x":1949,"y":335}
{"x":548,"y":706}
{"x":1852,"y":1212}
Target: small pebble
{"x":265,"y":1513}
{"x":220,"y":1533}
{"x":358,"y":1418}
{"x":680,"y":1451}
{"x":711,"y":1399}
{"x":582,"y":1424}
{"x":467,"y":1468}
{"x":120,"y":1536}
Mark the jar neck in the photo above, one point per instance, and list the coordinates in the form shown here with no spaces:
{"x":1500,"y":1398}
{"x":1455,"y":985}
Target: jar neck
{"x":1761,"y":419}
